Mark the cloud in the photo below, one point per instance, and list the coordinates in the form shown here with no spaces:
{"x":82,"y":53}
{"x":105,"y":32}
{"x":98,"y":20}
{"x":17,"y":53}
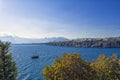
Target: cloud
{"x":29,"y":27}
{"x":19,"y":25}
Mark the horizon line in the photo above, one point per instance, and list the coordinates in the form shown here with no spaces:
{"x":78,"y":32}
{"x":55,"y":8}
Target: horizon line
{"x":55,"y":37}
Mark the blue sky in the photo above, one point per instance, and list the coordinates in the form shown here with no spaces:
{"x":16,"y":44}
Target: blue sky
{"x":55,"y":18}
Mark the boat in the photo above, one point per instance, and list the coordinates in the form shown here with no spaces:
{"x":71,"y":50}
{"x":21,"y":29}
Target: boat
{"x":35,"y":56}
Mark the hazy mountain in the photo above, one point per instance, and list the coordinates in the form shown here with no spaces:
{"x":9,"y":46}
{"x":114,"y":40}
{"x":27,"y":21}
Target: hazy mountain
{"x":15,"y":39}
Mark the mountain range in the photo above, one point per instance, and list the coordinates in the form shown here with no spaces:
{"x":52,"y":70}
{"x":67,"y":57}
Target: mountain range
{"x":15,"y":39}
{"x":19,"y":40}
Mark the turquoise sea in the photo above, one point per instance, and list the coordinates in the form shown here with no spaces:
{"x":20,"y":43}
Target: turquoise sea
{"x":30,"y":69}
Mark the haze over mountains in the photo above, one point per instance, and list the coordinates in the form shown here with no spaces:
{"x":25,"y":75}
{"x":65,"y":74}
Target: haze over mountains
{"x":18,"y":40}
{"x":15,"y":39}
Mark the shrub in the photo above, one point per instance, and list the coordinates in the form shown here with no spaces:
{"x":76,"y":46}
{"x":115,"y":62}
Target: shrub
{"x":107,"y":68}
{"x":69,"y":67}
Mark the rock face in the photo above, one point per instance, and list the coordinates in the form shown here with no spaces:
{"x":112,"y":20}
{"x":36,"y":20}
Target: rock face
{"x":105,"y":43}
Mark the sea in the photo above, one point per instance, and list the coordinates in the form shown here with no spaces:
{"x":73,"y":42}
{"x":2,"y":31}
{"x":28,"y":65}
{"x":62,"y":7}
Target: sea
{"x":31,"y":69}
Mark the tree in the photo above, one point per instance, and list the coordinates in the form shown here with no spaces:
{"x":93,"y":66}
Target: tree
{"x":69,"y":67}
{"x":107,"y":68}
{"x":8,"y":69}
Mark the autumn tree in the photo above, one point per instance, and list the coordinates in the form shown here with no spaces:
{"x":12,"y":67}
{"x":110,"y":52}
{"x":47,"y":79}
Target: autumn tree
{"x":69,"y":67}
{"x":8,"y":70}
{"x":107,"y":68}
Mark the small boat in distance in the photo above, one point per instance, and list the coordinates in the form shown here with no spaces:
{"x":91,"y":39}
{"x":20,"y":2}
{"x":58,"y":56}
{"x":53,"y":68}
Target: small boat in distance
{"x":35,"y":56}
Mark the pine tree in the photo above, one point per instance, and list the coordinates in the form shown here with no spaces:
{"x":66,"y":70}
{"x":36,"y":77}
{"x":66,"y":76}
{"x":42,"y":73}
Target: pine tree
{"x":8,"y":69}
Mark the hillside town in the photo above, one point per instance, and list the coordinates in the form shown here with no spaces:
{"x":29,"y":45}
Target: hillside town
{"x":89,"y":43}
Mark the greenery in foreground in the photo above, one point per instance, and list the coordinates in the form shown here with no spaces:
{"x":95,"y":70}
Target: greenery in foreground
{"x":8,"y":69}
{"x":73,"y":67}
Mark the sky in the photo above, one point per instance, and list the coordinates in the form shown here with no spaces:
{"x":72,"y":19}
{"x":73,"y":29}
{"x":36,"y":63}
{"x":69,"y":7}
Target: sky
{"x":60,"y":18}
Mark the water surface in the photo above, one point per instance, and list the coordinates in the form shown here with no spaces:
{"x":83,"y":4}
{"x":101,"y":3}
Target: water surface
{"x":30,"y":69}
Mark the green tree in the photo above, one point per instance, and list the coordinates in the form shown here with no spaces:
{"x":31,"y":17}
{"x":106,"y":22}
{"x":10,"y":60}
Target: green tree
{"x":107,"y":67}
{"x":69,"y":67}
{"x":8,"y":69}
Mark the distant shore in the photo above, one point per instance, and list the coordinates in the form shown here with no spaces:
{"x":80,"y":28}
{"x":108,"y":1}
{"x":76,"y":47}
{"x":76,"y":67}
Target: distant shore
{"x":89,"y":43}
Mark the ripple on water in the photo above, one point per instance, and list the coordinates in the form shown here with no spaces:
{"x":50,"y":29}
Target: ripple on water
{"x":30,"y":69}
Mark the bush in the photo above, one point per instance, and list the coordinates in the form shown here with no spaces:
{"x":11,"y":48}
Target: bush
{"x":69,"y":67}
{"x":107,"y":68}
